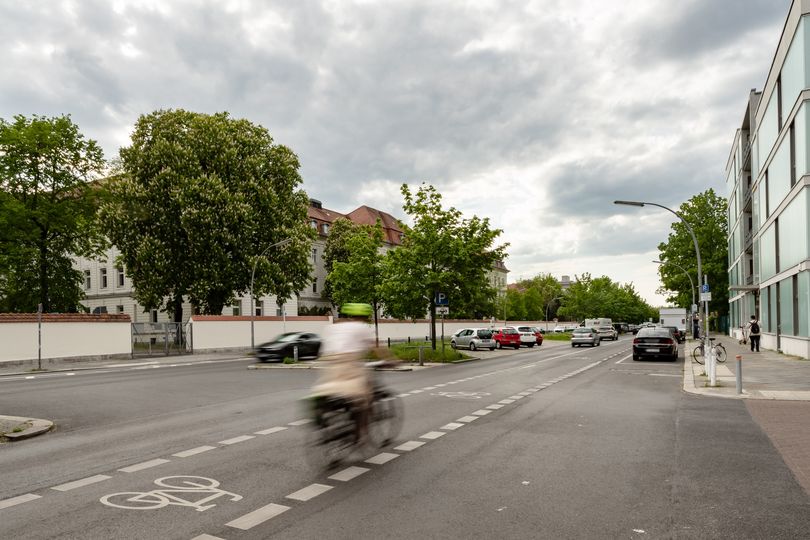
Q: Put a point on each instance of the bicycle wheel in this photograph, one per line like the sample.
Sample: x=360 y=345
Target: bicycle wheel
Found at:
x=386 y=419
x=332 y=438
x=697 y=355
x=134 y=500
x=720 y=353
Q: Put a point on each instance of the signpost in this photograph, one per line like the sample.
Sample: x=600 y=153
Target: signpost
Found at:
x=442 y=302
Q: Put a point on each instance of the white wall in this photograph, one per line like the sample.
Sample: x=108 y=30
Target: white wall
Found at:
x=64 y=339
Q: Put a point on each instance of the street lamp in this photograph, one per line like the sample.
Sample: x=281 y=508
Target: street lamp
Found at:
x=691 y=283
x=547 y=305
x=252 y=275
x=694 y=240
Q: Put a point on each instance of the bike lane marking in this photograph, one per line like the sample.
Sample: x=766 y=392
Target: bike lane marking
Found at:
x=14 y=501
x=145 y=465
x=452 y=426
x=349 y=473
x=235 y=440
x=432 y=435
x=467 y=419
x=381 y=458
x=309 y=492
x=257 y=517
x=410 y=445
x=270 y=430
x=300 y=422
x=193 y=451
x=81 y=483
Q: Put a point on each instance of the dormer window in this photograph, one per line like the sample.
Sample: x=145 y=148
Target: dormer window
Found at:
x=325 y=228
x=313 y=224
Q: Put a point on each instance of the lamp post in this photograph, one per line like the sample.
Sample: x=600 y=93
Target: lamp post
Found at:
x=252 y=276
x=547 y=305
x=694 y=240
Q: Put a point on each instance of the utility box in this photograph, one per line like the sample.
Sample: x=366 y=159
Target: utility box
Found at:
x=673 y=317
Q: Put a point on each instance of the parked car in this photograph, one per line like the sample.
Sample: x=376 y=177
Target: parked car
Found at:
x=527 y=336
x=506 y=337
x=681 y=335
x=538 y=334
x=607 y=332
x=585 y=336
x=283 y=346
x=634 y=328
x=473 y=339
x=654 y=341
x=558 y=329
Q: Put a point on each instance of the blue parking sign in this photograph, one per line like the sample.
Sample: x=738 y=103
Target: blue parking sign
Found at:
x=704 y=287
x=442 y=299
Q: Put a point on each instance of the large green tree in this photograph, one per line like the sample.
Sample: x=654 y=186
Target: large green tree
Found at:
x=706 y=214
x=589 y=297
x=359 y=277
x=336 y=250
x=199 y=201
x=533 y=299
x=441 y=252
x=47 y=212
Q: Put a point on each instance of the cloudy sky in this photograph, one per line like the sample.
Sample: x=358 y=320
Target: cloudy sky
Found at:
x=536 y=114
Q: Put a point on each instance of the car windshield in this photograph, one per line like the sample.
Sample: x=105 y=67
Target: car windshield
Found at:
x=653 y=332
x=509 y=331
x=284 y=338
x=582 y=331
x=524 y=329
x=484 y=334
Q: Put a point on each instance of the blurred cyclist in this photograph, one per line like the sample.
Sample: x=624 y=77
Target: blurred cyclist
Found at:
x=346 y=347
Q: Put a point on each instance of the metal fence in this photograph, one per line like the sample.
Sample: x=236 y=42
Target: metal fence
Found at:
x=159 y=339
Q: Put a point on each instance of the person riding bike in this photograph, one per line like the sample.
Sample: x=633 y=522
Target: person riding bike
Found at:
x=346 y=347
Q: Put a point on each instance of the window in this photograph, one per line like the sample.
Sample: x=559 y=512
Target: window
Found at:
x=153 y=315
x=87 y=281
x=119 y=309
x=767 y=201
x=259 y=308
x=103 y=276
x=237 y=310
x=779 y=103
x=315 y=285
x=776 y=243
x=792 y=156
x=313 y=224
x=325 y=228
x=119 y=275
x=314 y=255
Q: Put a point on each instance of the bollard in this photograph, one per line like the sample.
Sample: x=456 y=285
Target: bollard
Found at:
x=389 y=343
x=295 y=353
x=738 y=358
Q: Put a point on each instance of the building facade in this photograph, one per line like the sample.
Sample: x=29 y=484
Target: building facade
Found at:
x=768 y=188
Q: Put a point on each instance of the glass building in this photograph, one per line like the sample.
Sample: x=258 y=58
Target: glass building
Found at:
x=768 y=189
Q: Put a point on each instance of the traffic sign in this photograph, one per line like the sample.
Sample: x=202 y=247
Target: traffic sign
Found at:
x=705 y=296
x=442 y=310
x=704 y=288
x=442 y=299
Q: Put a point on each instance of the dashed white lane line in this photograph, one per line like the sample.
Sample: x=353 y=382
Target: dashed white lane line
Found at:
x=440 y=385
x=408 y=446
x=270 y=431
x=403 y=395
x=382 y=458
x=241 y=438
x=145 y=465
x=69 y=374
x=300 y=422
x=309 y=492
x=516 y=397
x=452 y=426
x=416 y=391
x=30 y=377
x=207 y=537
x=349 y=473
x=14 y=501
x=194 y=451
x=429 y=388
x=258 y=516
x=432 y=435
x=506 y=401
x=81 y=483
x=481 y=412
x=494 y=406
x=623 y=359
x=467 y=419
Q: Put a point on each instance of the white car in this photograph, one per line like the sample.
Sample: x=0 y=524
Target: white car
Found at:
x=558 y=329
x=527 y=337
x=607 y=332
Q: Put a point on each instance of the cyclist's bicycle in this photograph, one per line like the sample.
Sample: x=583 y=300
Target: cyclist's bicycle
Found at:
x=334 y=434
x=699 y=356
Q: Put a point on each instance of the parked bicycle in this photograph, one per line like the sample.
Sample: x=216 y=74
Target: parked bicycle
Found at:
x=335 y=433
x=699 y=356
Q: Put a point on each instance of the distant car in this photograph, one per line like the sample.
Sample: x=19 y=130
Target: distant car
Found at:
x=678 y=333
x=585 y=336
x=473 y=339
x=283 y=346
x=527 y=336
x=506 y=337
x=607 y=332
x=655 y=342
x=538 y=333
x=558 y=329
x=634 y=328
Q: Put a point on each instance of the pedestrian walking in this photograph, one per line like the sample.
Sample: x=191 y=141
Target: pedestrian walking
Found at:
x=753 y=333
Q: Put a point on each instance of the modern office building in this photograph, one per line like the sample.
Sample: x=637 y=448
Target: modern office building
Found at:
x=768 y=188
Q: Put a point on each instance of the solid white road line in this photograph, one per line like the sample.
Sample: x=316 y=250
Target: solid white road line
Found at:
x=309 y=492
x=145 y=465
x=300 y=422
x=14 y=501
x=451 y=426
x=384 y=457
x=432 y=435
x=194 y=451
x=410 y=445
x=270 y=430
x=241 y=438
x=623 y=359
x=349 y=473
x=81 y=483
x=248 y=521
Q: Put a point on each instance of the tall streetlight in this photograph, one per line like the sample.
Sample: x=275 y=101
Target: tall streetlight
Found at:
x=691 y=283
x=547 y=306
x=694 y=239
x=252 y=275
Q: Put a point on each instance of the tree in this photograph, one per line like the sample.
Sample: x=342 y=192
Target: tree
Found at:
x=589 y=298
x=200 y=197
x=530 y=297
x=441 y=252
x=359 y=277
x=706 y=214
x=336 y=250
x=47 y=212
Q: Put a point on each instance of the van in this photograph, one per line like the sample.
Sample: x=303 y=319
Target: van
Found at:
x=596 y=323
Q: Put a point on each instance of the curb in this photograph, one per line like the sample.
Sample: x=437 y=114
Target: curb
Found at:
x=36 y=427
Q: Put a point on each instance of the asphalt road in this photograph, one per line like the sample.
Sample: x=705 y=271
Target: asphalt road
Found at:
x=576 y=443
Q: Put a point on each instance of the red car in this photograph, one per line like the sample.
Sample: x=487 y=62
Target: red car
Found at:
x=538 y=334
x=506 y=337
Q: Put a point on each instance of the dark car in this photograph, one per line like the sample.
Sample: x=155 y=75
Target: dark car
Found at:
x=283 y=346
x=506 y=337
x=653 y=342
x=677 y=333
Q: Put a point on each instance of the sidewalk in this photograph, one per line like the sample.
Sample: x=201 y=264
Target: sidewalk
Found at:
x=765 y=375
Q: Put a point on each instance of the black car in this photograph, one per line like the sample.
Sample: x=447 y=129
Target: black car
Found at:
x=655 y=342
x=283 y=346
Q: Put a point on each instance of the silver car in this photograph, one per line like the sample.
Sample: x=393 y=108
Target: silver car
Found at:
x=608 y=332
x=585 y=336
x=473 y=339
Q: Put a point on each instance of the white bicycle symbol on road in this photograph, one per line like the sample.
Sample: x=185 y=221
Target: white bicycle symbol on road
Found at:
x=160 y=498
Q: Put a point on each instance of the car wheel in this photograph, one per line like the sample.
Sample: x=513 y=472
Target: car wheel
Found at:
x=573 y=345
x=517 y=346
x=472 y=346
x=636 y=358
x=452 y=344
